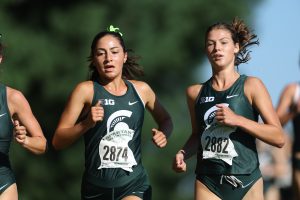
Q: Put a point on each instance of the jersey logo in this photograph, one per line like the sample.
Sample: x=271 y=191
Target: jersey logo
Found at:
x=244 y=186
x=206 y=99
x=114 y=151
x=110 y=102
x=2 y=114
x=132 y=103
x=230 y=96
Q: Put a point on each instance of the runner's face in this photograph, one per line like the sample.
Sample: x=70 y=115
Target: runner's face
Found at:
x=220 y=48
x=109 y=57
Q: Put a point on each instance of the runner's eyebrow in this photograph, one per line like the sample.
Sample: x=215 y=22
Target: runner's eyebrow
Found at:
x=113 y=48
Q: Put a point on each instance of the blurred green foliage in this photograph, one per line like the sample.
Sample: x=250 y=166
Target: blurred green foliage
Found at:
x=46 y=48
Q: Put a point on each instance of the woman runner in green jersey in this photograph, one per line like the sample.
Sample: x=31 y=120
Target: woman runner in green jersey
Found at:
x=108 y=111
x=16 y=121
x=224 y=115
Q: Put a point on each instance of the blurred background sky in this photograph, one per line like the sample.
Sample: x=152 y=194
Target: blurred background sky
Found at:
x=276 y=60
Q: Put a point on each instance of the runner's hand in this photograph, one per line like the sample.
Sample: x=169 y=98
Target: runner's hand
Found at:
x=159 y=138
x=96 y=115
x=20 y=133
x=179 y=164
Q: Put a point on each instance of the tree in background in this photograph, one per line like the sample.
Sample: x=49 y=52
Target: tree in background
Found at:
x=47 y=43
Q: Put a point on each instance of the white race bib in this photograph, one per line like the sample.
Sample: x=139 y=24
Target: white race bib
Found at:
x=216 y=144
x=114 y=151
x=215 y=139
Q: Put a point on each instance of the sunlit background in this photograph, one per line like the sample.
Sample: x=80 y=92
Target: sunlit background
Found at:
x=46 y=48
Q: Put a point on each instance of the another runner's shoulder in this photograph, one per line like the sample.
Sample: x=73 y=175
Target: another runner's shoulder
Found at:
x=292 y=87
x=293 y=91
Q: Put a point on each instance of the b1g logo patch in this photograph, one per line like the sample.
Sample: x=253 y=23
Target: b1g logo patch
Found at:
x=206 y=99
x=110 y=102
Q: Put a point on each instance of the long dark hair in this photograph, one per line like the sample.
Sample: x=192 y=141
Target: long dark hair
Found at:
x=131 y=69
x=240 y=34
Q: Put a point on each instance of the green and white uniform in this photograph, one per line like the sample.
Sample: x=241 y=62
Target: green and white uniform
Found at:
x=113 y=146
x=225 y=150
x=6 y=134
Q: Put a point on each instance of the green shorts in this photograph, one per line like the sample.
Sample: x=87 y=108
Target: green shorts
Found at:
x=7 y=178
x=139 y=187
x=229 y=187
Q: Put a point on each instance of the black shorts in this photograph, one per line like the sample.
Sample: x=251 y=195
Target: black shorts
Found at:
x=226 y=191
x=7 y=178
x=139 y=187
